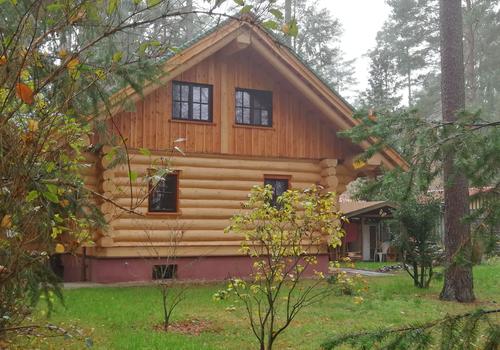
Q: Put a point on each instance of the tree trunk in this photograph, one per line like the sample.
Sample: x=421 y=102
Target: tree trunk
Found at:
x=470 y=56
x=189 y=20
x=458 y=284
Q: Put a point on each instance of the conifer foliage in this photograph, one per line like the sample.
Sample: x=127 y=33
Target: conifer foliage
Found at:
x=473 y=330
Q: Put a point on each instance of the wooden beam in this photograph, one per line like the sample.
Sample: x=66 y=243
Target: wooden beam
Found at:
x=241 y=42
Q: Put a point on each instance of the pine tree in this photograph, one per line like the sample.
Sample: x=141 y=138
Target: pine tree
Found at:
x=318 y=42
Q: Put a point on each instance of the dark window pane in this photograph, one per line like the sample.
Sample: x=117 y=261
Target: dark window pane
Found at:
x=196 y=111
x=204 y=112
x=177 y=92
x=246 y=115
x=177 y=109
x=164 y=195
x=239 y=115
x=256 y=117
x=239 y=98
x=196 y=93
x=265 y=117
x=246 y=99
x=185 y=92
x=204 y=95
x=185 y=110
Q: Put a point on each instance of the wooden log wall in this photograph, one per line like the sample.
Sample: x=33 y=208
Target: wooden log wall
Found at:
x=211 y=190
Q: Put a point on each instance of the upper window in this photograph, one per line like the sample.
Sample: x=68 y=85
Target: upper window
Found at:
x=254 y=107
x=192 y=101
x=279 y=185
x=163 y=196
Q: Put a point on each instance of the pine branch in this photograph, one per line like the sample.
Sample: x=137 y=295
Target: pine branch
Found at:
x=420 y=331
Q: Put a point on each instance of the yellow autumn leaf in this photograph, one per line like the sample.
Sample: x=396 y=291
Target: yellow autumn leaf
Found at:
x=358 y=163
x=63 y=53
x=33 y=125
x=64 y=203
x=73 y=64
x=59 y=248
x=6 y=221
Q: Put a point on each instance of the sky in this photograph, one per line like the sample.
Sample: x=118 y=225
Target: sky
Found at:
x=361 y=19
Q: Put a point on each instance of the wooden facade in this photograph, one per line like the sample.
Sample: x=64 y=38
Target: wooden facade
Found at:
x=223 y=159
x=299 y=129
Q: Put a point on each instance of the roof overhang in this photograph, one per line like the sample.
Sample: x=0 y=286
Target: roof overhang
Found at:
x=360 y=208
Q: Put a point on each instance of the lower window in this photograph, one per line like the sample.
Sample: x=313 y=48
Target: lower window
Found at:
x=163 y=195
x=163 y=272
x=279 y=184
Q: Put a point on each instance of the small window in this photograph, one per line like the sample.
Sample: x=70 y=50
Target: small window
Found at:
x=163 y=272
x=279 y=185
x=254 y=107
x=191 y=101
x=163 y=197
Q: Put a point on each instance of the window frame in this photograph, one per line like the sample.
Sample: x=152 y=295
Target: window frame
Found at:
x=151 y=189
x=253 y=108
x=190 y=101
x=278 y=177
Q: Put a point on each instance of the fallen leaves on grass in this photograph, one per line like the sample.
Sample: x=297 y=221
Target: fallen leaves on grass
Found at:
x=189 y=327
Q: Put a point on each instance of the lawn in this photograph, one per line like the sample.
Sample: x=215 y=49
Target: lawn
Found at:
x=123 y=318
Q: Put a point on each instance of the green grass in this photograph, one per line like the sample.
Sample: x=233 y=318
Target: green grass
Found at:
x=123 y=318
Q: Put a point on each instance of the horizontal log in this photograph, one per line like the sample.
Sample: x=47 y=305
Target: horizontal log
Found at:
x=169 y=236
x=228 y=163
x=209 y=184
x=223 y=173
x=210 y=203
x=185 y=213
x=184 y=193
x=152 y=223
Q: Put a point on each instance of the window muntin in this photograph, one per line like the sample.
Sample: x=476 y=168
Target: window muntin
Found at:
x=163 y=197
x=279 y=185
x=191 y=101
x=254 y=107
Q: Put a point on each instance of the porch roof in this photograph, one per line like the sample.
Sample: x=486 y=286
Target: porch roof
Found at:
x=356 y=208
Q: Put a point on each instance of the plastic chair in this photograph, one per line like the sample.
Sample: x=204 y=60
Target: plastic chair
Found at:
x=384 y=247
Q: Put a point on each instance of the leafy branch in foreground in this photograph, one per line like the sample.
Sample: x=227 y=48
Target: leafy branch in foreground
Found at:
x=61 y=63
x=464 y=331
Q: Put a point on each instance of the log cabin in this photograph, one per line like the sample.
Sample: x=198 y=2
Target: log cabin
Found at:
x=249 y=112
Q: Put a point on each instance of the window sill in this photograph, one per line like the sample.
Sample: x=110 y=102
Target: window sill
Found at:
x=180 y=121
x=244 y=126
x=164 y=213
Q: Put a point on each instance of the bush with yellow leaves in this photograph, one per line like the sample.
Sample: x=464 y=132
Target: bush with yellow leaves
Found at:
x=283 y=236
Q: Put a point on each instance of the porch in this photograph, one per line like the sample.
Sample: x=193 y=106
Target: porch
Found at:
x=368 y=235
